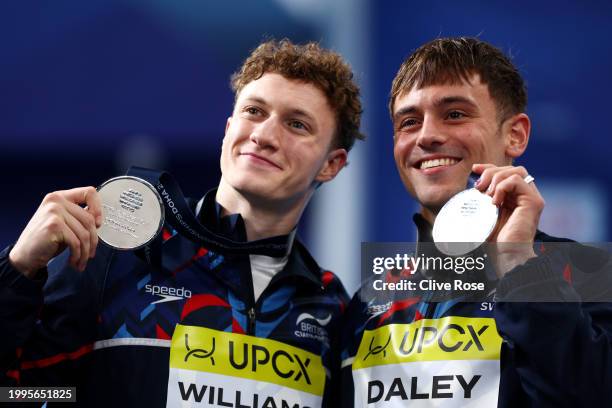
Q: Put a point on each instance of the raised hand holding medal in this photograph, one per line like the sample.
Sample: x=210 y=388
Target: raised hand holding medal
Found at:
x=513 y=191
x=504 y=207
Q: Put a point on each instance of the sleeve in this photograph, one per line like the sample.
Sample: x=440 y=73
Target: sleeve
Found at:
x=48 y=325
x=560 y=346
x=21 y=299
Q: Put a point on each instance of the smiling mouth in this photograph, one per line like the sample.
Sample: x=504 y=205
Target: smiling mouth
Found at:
x=261 y=159
x=441 y=162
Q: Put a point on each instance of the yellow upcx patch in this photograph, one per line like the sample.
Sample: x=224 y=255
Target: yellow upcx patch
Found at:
x=449 y=338
x=238 y=355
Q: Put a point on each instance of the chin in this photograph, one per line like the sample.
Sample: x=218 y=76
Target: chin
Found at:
x=260 y=190
x=436 y=201
x=253 y=188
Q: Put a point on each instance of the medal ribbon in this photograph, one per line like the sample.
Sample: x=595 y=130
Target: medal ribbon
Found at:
x=182 y=219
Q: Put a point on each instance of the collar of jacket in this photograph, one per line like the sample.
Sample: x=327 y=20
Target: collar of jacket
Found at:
x=424 y=228
x=300 y=264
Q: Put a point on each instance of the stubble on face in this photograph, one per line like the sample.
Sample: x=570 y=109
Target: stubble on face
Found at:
x=440 y=131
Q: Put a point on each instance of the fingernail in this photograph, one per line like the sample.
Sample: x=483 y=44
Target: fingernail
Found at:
x=99 y=220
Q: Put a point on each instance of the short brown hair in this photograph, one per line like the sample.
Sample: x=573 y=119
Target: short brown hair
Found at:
x=312 y=64
x=453 y=60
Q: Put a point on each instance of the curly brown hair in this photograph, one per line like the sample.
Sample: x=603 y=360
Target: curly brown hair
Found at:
x=454 y=60
x=313 y=64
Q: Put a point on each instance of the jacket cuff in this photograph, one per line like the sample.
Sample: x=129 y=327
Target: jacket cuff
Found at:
x=14 y=279
x=535 y=281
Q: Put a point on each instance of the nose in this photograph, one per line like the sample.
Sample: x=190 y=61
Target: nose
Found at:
x=266 y=134
x=431 y=133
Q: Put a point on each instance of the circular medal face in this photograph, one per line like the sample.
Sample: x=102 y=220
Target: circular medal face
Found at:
x=464 y=223
x=132 y=211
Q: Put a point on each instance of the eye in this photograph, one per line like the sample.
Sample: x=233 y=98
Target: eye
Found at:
x=407 y=123
x=252 y=110
x=456 y=115
x=296 y=124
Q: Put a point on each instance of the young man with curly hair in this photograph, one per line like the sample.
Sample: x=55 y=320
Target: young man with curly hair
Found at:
x=210 y=328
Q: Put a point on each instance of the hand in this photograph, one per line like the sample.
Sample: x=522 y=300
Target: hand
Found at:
x=520 y=206
x=60 y=222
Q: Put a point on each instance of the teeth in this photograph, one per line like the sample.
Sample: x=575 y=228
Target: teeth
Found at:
x=446 y=161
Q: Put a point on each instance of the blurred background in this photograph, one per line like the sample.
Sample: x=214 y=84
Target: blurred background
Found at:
x=88 y=88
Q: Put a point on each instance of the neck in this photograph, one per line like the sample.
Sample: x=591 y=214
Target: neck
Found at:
x=429 y=214
x=263 y=218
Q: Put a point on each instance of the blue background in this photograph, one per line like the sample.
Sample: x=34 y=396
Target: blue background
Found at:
x=88 y=87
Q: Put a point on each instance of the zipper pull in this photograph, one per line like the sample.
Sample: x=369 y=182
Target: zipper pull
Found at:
x=251 y=318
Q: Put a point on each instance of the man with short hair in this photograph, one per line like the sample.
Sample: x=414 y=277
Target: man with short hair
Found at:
x=457 y=107
x=204 y=327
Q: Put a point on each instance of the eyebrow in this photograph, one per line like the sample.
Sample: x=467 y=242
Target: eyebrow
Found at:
x=300 y=112
x=449 y=100
x=292 y=111
x=442 y=102
x=256 y=99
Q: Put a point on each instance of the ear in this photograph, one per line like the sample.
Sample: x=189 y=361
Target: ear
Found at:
x=227 y=124
x=517 y=129
x=335 y=161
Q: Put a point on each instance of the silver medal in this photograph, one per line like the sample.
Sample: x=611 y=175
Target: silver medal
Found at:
x=132 y=211
x=464 y=223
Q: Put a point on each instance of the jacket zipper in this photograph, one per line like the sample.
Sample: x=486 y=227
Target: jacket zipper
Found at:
x=251 y=318
x=252 y=310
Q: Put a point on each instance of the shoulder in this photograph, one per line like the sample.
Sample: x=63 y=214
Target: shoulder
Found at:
x=330 y=283
x=589 y=257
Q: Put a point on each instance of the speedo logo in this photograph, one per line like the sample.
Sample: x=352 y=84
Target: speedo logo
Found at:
x=167 y=293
